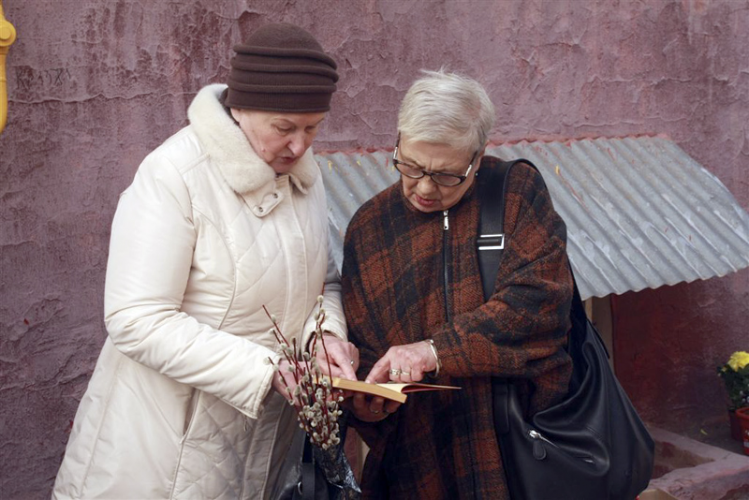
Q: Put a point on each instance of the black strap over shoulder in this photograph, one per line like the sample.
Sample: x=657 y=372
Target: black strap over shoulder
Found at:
x=491 y=240
x=492 y=186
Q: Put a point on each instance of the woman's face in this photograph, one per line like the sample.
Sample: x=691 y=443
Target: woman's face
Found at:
x=278 y=138
x=424 y=194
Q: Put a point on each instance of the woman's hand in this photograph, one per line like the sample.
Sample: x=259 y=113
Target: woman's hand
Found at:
x=404 y=363
x=282 y=379
x=343 y=357
x=370 y=408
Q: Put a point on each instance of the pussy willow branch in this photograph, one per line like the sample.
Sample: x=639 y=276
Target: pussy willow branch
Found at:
x=314 y=398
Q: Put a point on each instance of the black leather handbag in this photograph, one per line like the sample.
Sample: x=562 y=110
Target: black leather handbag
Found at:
x=590 y=446
x=300 y=477
x=311 y=473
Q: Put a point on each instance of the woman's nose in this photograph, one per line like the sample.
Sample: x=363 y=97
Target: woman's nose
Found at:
x=299 y=145
x=426 y=185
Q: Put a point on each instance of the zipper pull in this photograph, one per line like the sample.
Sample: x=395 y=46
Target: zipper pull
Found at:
x=534 y=434
x=446 y=221
x=539 y=452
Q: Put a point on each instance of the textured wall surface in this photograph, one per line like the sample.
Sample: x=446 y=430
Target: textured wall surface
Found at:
x=95 y=85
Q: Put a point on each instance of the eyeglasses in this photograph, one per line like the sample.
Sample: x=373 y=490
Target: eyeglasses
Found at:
x=440 y=178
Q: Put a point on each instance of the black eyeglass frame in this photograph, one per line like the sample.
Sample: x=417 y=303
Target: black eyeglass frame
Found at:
x=461 y=178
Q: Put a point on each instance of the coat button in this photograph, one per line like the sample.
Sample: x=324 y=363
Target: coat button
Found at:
x=275 y=195
x=259 y=209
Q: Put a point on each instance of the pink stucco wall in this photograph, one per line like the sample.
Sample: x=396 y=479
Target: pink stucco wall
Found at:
x=94 y=85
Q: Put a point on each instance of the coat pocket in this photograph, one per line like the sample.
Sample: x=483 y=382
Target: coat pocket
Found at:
x=190 y=413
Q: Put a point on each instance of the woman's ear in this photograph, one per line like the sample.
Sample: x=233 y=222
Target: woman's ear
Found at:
x=236 y=114
x=481 y=152
x=477 y=158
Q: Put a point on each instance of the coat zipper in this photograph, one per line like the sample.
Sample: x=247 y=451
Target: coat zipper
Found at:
x=447 y=275
x=446 y=261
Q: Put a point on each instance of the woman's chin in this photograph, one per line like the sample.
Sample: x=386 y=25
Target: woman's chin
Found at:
x=283 y=165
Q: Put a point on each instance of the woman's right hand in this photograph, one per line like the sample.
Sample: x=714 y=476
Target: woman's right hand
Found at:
x=342 y=358
x=283 y=379
x=404 y=364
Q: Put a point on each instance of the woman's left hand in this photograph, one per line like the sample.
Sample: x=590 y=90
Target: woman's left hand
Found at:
x=403 y=363
x=343 y=357
x=370 y=408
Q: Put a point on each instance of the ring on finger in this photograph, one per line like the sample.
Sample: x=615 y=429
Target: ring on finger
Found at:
x=395 y=372
x=374 y=411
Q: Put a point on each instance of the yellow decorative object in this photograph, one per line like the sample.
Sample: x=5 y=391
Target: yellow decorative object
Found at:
x=735 y=374
x=738 y=360
x=7 y=37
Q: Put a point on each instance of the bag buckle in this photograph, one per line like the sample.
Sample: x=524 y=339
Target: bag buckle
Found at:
x=491 y=241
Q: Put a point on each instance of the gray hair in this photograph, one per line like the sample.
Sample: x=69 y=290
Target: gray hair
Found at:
x=447 y=108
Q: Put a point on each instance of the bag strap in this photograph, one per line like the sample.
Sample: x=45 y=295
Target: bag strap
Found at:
x=492 y=188
x=491 y=242
x=307 y=480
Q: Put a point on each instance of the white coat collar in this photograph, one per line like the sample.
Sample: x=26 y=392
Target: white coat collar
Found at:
x=225 y=142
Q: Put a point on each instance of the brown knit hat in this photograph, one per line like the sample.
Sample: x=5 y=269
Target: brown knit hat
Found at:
x=281 y=67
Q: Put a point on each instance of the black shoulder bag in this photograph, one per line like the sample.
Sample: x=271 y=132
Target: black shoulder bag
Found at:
x=590 y=446
x=301 y=478
x=311 y=473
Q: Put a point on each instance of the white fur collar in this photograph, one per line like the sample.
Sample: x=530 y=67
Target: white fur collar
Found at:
x=225 y=143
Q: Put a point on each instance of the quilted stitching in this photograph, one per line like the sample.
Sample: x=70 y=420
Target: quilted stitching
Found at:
x=215 y=453
x=213 y=465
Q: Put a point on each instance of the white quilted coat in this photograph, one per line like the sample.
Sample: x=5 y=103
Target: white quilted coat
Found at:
x=180 y=404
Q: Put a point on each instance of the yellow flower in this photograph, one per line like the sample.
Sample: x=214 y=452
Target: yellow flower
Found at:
x=738 y=360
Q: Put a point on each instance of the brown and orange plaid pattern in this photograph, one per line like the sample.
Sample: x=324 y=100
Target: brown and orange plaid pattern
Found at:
x=442 y=444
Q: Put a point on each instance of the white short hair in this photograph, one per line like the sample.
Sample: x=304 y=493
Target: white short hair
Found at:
x=447 y=108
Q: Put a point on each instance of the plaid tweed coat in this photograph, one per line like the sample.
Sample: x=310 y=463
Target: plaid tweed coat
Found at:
x=441 y=445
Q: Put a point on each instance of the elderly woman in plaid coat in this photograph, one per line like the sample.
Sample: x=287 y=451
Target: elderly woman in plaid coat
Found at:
x=414 y=303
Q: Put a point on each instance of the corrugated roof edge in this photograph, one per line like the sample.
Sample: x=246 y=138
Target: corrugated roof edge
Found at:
x=640 y=212
x=496 y=142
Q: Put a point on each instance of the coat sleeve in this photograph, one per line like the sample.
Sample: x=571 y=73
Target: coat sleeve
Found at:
x=521 y=330
x=150 y=258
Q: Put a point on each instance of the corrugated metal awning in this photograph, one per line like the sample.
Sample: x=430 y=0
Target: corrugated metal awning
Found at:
x=640 y=212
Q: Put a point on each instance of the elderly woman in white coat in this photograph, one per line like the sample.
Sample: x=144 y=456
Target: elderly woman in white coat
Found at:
x=226 y=216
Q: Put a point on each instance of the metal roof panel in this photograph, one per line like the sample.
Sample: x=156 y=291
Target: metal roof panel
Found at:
x=640 y=212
